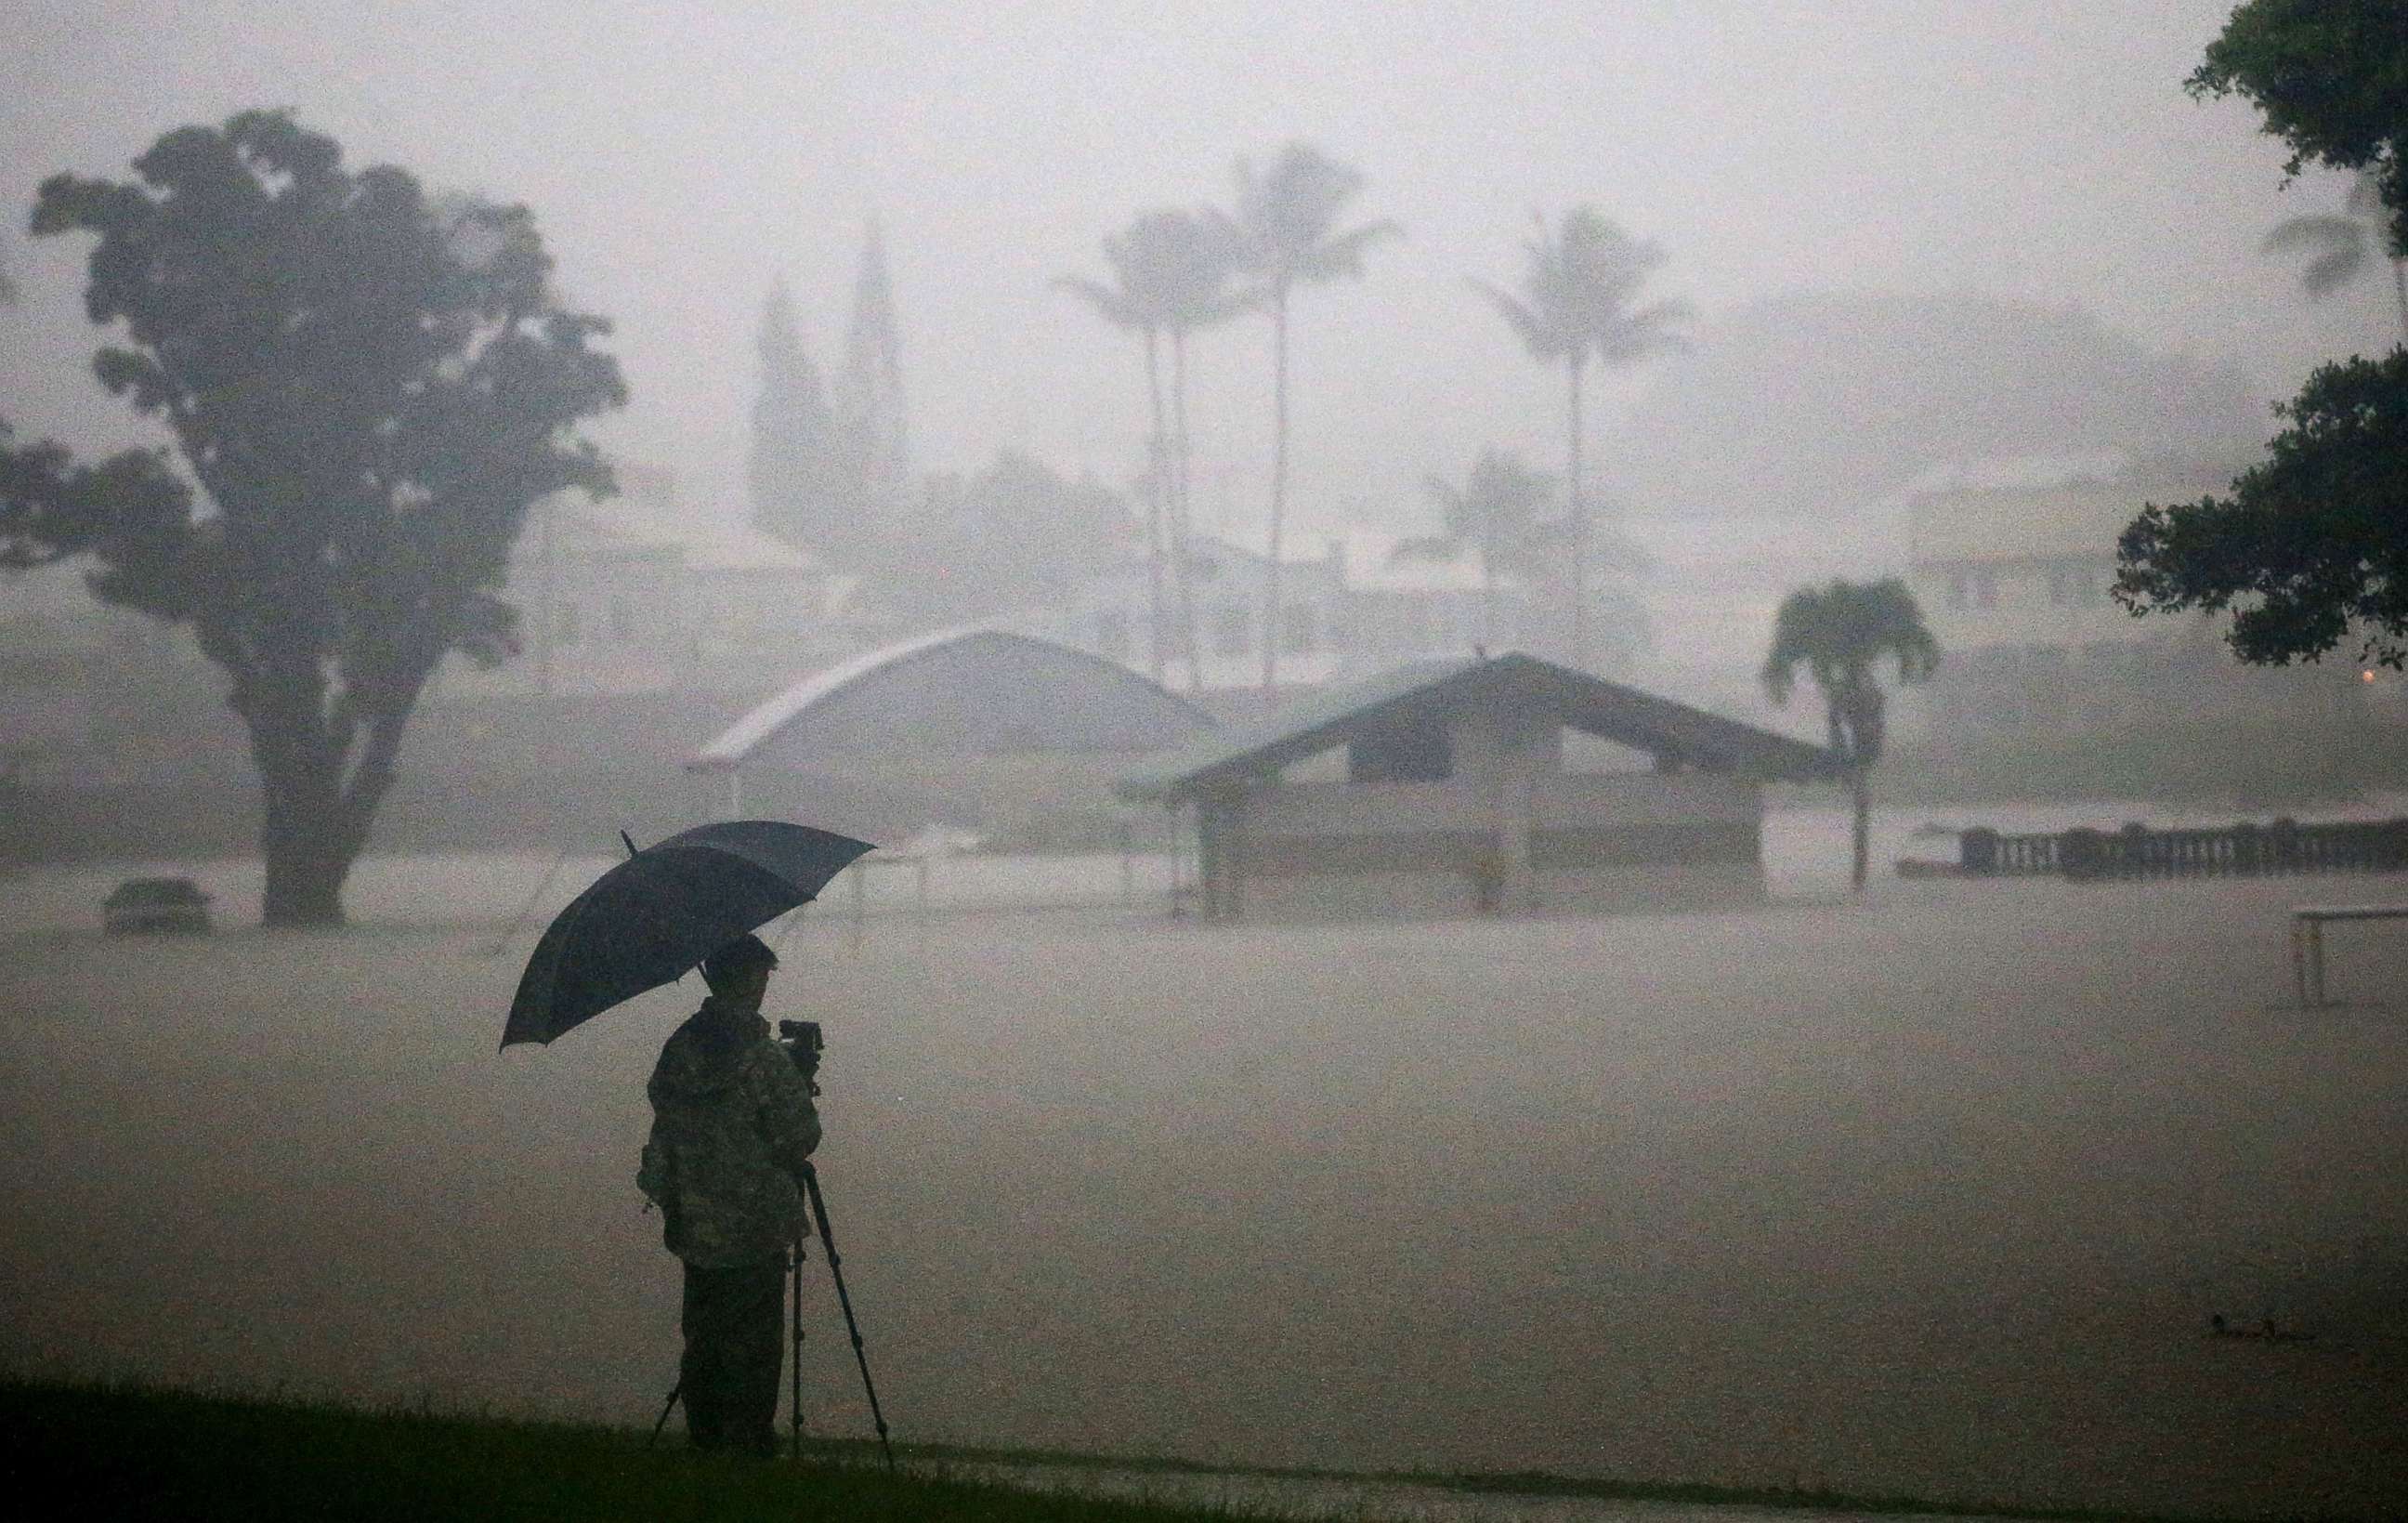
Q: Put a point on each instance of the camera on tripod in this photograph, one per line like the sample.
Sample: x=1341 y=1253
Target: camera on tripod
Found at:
x=803 y=1044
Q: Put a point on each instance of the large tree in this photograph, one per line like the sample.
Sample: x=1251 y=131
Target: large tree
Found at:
x=795 y=469
x=2332 y=78
x=2311 y=545
x=1839 y=634
x=370 y=386
x=1286 y=234
x=1502 y=512
x=1577 y=305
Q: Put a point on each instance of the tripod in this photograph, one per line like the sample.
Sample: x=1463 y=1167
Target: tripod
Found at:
x=836 y=1272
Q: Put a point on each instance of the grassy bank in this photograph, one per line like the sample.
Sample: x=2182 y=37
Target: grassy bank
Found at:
x=122 y=1451
x=118 y=1452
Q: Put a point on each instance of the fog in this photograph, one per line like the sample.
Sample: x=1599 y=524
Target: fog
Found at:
x=1930 y=1189
x=681 y=157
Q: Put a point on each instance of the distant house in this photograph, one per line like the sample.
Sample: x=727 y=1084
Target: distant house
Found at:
x=1509 y=785
x=2012 y=564
x=1356 y=608
x=637 y=594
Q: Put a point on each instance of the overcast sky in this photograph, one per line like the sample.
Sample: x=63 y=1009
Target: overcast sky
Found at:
x=680 y=156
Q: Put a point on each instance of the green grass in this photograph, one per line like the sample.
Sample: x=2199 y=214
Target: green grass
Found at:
x=115 y=1451
x=118 y=1452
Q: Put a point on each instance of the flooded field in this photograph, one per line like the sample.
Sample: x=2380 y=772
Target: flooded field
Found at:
x=1933 y=1193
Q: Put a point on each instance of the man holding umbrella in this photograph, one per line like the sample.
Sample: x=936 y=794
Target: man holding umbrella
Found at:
x=729 y=1161
x=733 y=1125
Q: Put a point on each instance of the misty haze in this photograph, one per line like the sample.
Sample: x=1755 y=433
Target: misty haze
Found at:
x=1559 y=761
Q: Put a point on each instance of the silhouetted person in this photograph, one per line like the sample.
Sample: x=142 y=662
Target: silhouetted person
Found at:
x=732 y=1124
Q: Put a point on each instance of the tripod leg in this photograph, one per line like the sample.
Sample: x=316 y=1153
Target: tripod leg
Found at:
x=836 y=1272
x=666 y=1407
x=794 y=1396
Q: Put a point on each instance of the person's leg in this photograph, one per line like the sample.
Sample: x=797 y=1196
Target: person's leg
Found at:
x=703 y=1370
x=756 y=1353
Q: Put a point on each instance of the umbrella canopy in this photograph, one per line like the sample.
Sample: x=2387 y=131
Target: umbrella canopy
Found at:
x=661 y=912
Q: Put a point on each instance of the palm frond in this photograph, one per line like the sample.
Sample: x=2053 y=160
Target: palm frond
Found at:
x=1113 y=306
x=1341 y=258
x=2329 y=272
x=2320 y=231
x=1544 y=342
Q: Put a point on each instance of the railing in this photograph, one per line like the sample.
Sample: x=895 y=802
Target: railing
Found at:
x=2247 y=849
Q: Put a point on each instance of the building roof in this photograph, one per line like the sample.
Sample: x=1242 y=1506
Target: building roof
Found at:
x=1625 y=715
x=967 y=691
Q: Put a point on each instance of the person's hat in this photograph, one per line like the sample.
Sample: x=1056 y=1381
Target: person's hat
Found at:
x=737 y=961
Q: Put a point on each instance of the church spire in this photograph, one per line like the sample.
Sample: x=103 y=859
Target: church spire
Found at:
x=871 y=383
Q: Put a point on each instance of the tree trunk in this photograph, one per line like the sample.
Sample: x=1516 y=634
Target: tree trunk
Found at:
x=2399 y=290
x=1278 y=492
x=1579 y=507
x=1860 y=836
x=316 y=802
x=1183 y=522
x=1158 y=485
x=305 y=880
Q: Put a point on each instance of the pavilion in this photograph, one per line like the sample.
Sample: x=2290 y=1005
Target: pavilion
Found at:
x=1452 y=796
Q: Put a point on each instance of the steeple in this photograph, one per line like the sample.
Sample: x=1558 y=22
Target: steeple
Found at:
x=869 y=389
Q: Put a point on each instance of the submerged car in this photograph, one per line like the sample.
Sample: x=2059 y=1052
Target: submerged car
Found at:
x=175 y=905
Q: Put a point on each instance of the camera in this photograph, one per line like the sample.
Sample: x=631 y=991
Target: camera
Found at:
x=803 y=1044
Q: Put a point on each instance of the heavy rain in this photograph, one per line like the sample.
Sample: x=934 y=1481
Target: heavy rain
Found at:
x=1560 y=761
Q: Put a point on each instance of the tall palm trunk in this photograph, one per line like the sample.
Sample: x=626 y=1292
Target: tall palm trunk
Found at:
x=1579 y=505
x=1487 y=600
x=1157 y=486
x=1860 y=836
x=1278 y=489
x=1181 y=519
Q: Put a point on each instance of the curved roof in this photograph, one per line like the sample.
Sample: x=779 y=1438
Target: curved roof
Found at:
x=967 y=691
x=1421 y=690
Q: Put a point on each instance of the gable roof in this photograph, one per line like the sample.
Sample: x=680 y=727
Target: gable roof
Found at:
x=1421 y=689
x=975 y=685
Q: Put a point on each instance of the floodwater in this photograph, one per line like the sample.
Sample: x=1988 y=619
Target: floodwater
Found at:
x=1805 y=859
x=1931 y=1193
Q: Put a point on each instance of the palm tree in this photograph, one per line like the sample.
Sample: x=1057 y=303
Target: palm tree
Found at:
x=1197 y=265
x=1135 y=301
x=1282 y=236
x=1497 y=512
x=1839 y=633
x=1172 y=271
x=2345 y=245
x=1575 y=306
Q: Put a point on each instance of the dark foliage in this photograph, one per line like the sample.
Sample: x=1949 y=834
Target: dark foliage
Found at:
x=1015 y=534
x=797 y=469
x=370 y=386
x=2331 y=77
x=2312 y=544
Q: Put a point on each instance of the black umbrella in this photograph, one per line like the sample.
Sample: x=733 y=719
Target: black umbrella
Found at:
x=661 y=912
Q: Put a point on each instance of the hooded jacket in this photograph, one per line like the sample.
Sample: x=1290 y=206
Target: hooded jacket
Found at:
x=732 y=1124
